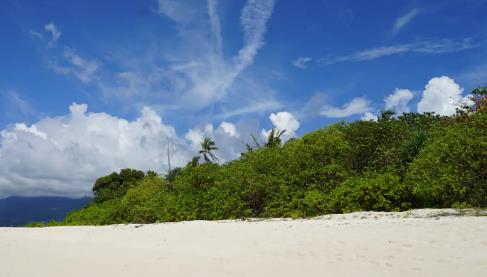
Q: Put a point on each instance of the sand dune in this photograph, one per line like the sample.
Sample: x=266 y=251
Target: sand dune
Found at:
x=418 y=243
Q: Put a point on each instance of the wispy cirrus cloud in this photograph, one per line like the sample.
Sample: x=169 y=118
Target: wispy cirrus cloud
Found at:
x=256 y=107
x=14 y=106
x=475 y=76
x=215 y=25
x=179 y=11
x=253 y=19
x=74 y=65
x=193 y=73
x=427 y=47
x=358 y=105
x=301 y=62
x=405 y=19
x=54 y=31
x=202 y=78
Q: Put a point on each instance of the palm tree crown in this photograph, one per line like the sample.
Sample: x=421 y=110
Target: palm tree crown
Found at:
x=207 y=146
x=274 y=137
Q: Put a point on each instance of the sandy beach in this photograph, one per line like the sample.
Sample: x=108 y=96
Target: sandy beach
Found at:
x=415 y=243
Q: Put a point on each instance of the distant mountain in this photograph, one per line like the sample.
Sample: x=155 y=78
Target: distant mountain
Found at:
x=18 y=211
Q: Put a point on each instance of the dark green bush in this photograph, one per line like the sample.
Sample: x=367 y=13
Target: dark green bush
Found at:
x=451 y=170
x=374 y=192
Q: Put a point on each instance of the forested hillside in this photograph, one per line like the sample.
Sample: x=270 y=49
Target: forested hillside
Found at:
x=18 y=211
x=394 y=163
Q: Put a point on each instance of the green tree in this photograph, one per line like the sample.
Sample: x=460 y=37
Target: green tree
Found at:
x=207 y=148
x=116 y=185
x=479 y=97
x=274 y=137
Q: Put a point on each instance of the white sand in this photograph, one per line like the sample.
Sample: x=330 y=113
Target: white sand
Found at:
x=359 y=244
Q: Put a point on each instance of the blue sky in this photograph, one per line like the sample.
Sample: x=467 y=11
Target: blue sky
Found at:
x=220 y=68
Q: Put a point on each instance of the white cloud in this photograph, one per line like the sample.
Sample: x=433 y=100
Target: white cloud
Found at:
x=178 y=11
x=283 y=121
x=197 y=135
x=398 y=101
x=81 y=147
x=215 y=25
x=14 y=103
x=226 y=138
x=253 y=19
x=229 y=129
x=253 y=107
x=21 y=127
x=36 y=35
x=199 y=75
x=53 y=30
x=429 y=47
x=358 y=105
x=368 y=116
x=403 y=20
x=476 y=76
x=301 y=62
x=82 y=69
x=442 y=96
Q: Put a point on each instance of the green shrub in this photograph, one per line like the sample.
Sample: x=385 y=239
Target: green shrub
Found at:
x=96 y=214
x=144 y=203
x=374 y=192
x=451 y=170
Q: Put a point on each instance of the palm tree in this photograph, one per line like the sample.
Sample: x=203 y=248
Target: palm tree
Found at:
x=194 y=161
x=250 y=147
x=207 y=146
x=274 y=137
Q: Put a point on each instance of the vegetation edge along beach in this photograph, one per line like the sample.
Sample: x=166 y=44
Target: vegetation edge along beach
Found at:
x=396 y=163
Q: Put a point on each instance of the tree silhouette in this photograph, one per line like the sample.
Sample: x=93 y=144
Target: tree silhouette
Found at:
x=274 y=137
x=386 y=115
x=207 y=146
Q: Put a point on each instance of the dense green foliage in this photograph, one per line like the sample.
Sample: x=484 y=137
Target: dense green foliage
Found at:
x=395 y=163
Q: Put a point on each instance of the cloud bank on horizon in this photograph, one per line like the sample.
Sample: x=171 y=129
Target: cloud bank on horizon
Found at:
x=181 y=71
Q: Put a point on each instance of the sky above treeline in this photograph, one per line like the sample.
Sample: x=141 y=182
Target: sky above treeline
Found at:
x=90 y=87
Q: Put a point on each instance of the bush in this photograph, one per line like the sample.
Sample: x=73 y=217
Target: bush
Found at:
x=374 y=192
x=451 y=170
x=96 y=214
x=144 y=203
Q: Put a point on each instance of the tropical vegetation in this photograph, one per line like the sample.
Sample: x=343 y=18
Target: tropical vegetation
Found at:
x=392 y=164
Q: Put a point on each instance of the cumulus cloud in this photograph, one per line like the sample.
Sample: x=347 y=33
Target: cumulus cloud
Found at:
x=283 y=121
x=301 y=62
x=368 y=116
x=403 y=20
x=229 y=129
x=81 y=147
x=53 y=30
x=398 y=101
x=442 y=96
x=358 y=105
x=226 y=138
